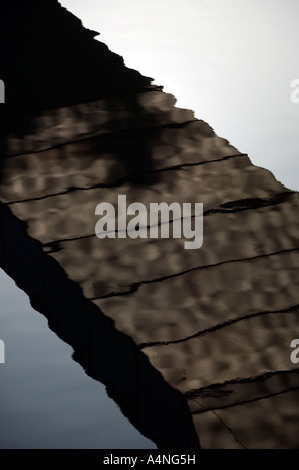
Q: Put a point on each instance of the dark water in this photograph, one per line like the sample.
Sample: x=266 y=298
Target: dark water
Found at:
x=46 y=399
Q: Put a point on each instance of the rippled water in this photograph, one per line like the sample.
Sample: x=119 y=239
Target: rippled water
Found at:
x=46 y=399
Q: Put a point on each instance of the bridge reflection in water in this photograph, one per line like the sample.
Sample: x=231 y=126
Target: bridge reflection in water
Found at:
x=194 y=345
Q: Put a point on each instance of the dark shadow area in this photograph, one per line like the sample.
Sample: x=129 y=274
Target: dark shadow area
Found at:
x=48 y=60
